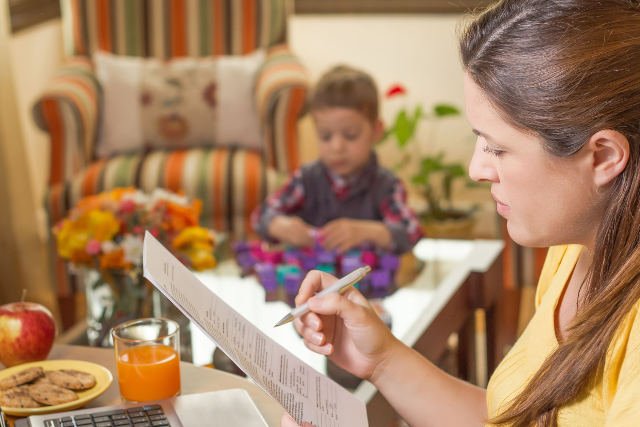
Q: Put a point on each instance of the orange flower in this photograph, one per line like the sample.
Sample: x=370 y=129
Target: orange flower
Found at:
x=179 y=216
x=101 y=200
x=114 y=260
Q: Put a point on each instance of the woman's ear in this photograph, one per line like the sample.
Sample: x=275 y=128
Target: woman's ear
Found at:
x=610 y=151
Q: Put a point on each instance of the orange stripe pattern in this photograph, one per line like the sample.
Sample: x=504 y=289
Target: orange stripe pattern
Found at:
x=252 y=15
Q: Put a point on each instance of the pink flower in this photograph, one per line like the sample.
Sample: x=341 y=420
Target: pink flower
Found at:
x=394 y=90
x=93 y=247
x=127 y=206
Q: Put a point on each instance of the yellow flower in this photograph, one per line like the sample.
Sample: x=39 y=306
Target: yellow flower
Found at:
x=191 y=236
x=201 y=259
x=71 y=239
x=103 y=225
x=73 y=235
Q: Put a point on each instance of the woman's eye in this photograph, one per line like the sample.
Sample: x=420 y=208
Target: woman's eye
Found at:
x=493 y=151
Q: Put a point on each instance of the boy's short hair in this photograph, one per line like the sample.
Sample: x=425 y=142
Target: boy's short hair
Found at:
x=344 y=86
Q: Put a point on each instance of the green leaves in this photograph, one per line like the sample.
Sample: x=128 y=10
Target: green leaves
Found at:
x=405 y=125
x=434 y=177
x=443 y=110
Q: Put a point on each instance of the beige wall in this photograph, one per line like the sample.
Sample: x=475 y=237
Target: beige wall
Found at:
x=418 y=51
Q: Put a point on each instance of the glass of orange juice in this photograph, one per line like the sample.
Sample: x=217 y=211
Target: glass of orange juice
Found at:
x=147 y=358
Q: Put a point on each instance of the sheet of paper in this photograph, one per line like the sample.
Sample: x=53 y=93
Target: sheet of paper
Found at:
x=305 y=393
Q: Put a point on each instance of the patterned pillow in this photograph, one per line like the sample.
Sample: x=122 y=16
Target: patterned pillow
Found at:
x=180 y=103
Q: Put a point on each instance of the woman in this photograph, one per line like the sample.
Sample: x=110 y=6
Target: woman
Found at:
x=552 y=91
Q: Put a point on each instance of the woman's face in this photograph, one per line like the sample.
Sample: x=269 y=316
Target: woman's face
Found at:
x=546 y=200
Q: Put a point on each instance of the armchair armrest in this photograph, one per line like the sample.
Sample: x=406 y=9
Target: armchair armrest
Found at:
x=281 y=91
x=68 y=110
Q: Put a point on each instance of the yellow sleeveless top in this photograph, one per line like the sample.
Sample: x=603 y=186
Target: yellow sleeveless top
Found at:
x=614 y=400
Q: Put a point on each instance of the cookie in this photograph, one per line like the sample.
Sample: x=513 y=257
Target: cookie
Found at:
x=51 y=394
x=21 y=377
x=17 y=397
x=71 y=379
x=42 y=380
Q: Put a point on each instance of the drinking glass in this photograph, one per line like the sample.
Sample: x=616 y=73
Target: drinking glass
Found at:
x=147 y=358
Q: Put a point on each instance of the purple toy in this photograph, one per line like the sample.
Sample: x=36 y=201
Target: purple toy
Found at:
x=291 y=285
x=350 y=262
x=389 y=261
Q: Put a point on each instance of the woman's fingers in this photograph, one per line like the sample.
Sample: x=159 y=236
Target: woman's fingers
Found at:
x=337 y=304
x=313 y=283
x=287 y=421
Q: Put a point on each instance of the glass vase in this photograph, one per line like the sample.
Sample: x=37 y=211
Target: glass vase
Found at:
x=112 y=297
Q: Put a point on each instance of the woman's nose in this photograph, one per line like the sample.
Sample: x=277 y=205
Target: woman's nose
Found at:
x=481 y=166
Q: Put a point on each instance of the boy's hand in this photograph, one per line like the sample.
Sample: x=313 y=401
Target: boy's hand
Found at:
x=291 y=230
x=345 y=233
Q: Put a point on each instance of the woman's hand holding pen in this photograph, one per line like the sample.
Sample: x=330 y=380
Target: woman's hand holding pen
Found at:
x=344 y=327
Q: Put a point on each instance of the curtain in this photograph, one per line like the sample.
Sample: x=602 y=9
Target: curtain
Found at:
x=24 y=263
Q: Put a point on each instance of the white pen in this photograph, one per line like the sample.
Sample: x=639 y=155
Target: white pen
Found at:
x=338 y=287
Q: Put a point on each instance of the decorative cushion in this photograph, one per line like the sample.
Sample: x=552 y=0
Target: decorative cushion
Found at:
x=184 y=102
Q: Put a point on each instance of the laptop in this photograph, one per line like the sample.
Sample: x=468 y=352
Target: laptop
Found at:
x=223 y=408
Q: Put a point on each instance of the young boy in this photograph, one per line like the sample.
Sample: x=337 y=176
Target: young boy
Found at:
x=345 y=198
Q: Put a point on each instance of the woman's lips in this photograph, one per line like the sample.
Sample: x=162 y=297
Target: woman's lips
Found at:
x=501 y=208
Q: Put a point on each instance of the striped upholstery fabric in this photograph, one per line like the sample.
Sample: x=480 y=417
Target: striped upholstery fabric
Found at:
x=281 y=91
x=230 y=182
x=68 y=110
x=211 y=175
x=172 y=28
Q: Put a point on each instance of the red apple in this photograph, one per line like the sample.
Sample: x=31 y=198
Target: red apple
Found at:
x=27 y=330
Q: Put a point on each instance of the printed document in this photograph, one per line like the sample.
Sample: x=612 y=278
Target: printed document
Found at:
x=304 y=392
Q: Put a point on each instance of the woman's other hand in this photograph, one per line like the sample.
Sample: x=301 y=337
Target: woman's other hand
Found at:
x=287 y=421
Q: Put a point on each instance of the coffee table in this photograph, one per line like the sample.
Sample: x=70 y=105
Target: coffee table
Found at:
x=459 y=278
x=194 y=379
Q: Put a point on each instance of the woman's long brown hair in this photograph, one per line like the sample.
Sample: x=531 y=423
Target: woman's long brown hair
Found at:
x=565 y=69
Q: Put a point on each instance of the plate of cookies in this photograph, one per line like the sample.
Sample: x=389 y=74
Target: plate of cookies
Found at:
x=51 y=386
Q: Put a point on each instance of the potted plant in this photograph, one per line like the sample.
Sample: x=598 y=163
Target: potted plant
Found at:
x=432 y=175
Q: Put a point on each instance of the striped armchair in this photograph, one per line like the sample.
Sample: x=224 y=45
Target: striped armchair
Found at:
x=230 y=181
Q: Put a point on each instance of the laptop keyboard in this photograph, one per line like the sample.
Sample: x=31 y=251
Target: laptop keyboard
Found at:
x=138 y=416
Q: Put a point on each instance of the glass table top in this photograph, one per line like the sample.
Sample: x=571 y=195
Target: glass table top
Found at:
x=412 y=307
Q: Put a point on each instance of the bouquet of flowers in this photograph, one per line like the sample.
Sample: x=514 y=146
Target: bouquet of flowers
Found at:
x=105 y=231
x=102 y=238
